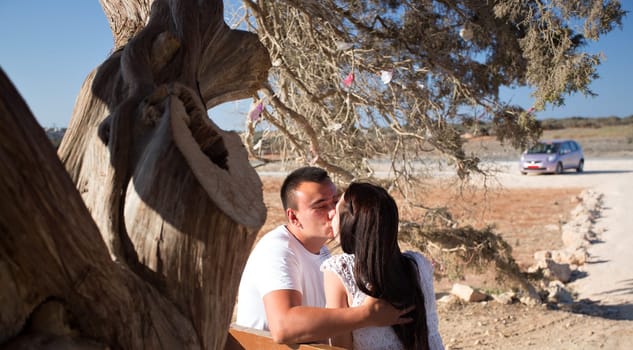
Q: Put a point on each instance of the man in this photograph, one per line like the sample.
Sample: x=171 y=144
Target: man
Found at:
x=281 y=289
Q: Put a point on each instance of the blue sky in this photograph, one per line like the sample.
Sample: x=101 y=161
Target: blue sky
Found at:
x=48 y=47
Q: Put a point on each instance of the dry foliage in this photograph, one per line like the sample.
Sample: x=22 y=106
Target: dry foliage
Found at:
x=400 y=80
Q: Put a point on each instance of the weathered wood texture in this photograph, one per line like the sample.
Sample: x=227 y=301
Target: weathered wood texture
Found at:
x=173 y=197
x=51 y=249
x=126 y=18
x=242 y=338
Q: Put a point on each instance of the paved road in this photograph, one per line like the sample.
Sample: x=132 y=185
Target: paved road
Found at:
x=609 y=277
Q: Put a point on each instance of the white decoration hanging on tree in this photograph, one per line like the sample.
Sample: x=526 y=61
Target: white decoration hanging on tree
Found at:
x=335 y=127
x=258 y=145
x=343 y=46
x=386 y=76
x=466 y=33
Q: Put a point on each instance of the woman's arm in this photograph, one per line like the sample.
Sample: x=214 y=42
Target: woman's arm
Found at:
x=336 y=297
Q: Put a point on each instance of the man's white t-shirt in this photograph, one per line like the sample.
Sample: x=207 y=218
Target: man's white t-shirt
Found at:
x=278 y=261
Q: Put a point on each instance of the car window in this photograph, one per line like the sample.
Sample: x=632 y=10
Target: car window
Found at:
x=543 y=148
x=565 y=148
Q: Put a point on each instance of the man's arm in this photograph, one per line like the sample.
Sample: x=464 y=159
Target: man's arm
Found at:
x=290 y=322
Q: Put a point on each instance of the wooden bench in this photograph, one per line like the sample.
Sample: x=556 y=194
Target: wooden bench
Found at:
x=243 y=338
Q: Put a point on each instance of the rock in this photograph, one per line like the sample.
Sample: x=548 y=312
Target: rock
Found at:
x=504 y=298
x=568 y=256
x=560 y=272
x=529 y=300
x=558 y=293
x=529 y=297
x=467 y=293
x=573 y=237
x=541 y=255
x=448 y=299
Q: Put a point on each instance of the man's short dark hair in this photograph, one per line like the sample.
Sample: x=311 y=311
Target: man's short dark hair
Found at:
x=297 y=177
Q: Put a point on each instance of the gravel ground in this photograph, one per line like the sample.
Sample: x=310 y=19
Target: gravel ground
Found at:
x=609 y=277
x=601 y=317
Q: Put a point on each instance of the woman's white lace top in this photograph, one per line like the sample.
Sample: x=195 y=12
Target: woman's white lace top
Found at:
x=374 y=338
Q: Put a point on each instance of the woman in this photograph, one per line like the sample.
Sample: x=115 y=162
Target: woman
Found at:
x=366 y=222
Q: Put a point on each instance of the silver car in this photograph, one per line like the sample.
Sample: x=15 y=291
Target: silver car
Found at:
x=552 y=156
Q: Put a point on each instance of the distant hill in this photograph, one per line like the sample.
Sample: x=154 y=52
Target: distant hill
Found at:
x=582 y=122
x=612 y=128
x=55 y=135
x=609 y=137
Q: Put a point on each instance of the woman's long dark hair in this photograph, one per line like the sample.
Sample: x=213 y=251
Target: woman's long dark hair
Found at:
x=369 y=230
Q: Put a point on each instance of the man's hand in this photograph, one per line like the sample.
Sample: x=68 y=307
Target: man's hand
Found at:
x=383 y=314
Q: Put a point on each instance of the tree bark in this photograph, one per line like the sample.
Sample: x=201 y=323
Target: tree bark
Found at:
x=51 y=249
x=173 y=196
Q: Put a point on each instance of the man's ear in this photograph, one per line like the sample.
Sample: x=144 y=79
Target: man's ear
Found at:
x=292 y=217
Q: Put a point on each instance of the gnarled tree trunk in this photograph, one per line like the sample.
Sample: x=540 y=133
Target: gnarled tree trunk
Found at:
x=173 y=197
x=54 y=265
